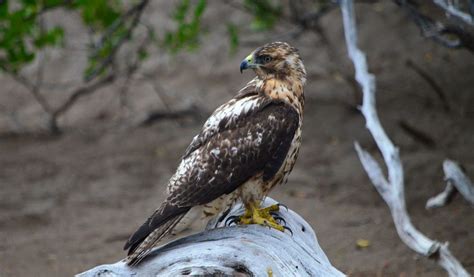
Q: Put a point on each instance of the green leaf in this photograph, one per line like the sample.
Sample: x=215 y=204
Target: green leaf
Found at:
x=99 y=13
x=29 y=2
x=181 y=11
x=53 y=3
x=4 y=9
x=187 y=33
x=199 y=10
x=54 y=36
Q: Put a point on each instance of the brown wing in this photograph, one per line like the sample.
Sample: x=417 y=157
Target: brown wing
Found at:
x=252 y=145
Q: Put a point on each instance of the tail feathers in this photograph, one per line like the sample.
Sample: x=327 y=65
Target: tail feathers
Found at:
x=152 y=231
x=143 y=248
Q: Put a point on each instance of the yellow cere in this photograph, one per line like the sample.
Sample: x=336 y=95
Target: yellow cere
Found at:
x=249 y=58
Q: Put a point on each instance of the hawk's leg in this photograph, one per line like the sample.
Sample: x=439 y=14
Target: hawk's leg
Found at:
x=262 y=216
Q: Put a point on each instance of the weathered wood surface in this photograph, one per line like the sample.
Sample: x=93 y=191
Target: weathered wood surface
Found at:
x=236 y=251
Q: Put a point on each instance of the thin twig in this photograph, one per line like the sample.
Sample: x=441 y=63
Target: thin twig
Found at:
x=191 y=112
x=82 y=91
x=136 y=11
x=45 y=7
x=300 y=18
x=35 y=87
x=33 y=91
x=76 y=94
x=131 y=70
x=451 y=36
x=158 y=89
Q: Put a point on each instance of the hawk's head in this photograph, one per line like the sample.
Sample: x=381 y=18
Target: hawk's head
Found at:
x=277 y=60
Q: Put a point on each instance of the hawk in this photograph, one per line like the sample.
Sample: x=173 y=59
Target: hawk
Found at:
x=245 y=148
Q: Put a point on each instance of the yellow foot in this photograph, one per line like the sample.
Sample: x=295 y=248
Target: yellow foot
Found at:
x=262 y=216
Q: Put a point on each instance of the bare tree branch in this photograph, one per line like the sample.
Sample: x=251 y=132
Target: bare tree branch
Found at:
x=135 y=12
x=454 y=11
x=132 y=68
x=92 y=84
x=443 y=198
x=55 y=113
x=391 y=190
x=82 y=91
x=33 y=90
x=448 y=35
x=34 y=87
x=456 y=181
x=191 y=112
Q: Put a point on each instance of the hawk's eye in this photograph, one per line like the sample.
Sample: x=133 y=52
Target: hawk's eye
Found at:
x=266 y=59
x=263 y=59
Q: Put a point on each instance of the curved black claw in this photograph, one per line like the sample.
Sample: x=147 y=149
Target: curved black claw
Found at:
x=287 y=228
x=282 y=205
x=233 y=219
x=279 y=218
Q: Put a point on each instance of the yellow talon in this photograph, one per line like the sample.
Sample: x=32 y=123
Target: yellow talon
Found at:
x=256 y=215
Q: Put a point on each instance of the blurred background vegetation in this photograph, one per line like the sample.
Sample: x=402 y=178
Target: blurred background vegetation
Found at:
x=115 y=24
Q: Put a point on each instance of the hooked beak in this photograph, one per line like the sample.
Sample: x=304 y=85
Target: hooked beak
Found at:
x=247 y=63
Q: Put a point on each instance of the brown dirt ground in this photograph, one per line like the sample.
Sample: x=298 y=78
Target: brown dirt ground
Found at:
x=68 y=203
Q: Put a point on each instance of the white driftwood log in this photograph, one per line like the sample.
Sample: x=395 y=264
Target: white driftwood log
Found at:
x=234 y=251
x=391 y=190
x=456 y=181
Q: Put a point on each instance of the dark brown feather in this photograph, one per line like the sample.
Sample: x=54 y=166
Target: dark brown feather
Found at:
x=144 y=247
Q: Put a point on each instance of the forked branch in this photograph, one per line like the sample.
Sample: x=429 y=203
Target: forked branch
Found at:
x=454 y=10
x=456 y=181
x=391 y=189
